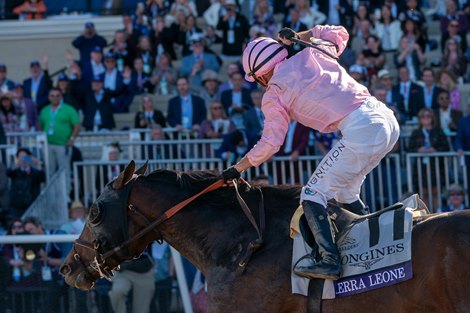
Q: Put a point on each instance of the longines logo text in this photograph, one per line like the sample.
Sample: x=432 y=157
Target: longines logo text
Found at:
x=371 y=255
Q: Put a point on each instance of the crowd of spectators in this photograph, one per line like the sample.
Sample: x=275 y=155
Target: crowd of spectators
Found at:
x=188 y=53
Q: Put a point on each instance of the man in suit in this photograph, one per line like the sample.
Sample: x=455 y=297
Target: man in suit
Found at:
x=94 y=65
x=295 y=145
x=117 y=84
x=236 y=100
x=235 y=145
x=431 y=90
x=98 y=110
x=235 y=30
x=140 y=81
x=86 y=42
x=5 y=84
x=195 y=63
x=37 y=87
x=412 y=93
x=253 y=117
x=446 y=118
x=185 y=111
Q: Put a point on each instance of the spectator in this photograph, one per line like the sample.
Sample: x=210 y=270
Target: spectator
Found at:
x=235 y=29
x=358 y=42
x=213 y=12
x=72 y=91
x=52 y=256
x=6 y=85
x=79 y=86
x=308 y=15
x=61 y=123
x=136 y=275
x=196 y=62
x=31 y=10
x=210 y=87
x=163 y=277
x=37 y=87
x=235 y=145
x=116 y=83
x=94 y=65
x=260 y=180
x=359 y=73
x=218 y=124
x=123 y=50
x=155 y=8
x=388 y=29
x=462 y=143
x=411 y=56
x=164 y=77
x=111 y=154
x=338 y=12
x=447 y=81
x=428 y=138
x=263 y=17
x=413 y=95
x=98 y=113
x=295 y=145
x=373 y=55
x=231 y=69
x=446 y=118
x=253 y=117
x=236 y=100
x=149 y=115
x=292 y=21
x=414 y=34
x=454 y=32
x=185 y=6
x=186 y=34
x=26 y=177
x=87 y=42
x=324 y=141
x=162 y=39
x=77 y=219
x=26 y=108
x=453 y=59
x=185 y=111
x=8 y=116
x=431 y=90
x=413 y=12
x=362 y=14
x=455 y=200
x=453 y=14
x=393 y=97
x=161 y=151
x=145 y=53
x=140 y=80
x=140 y=25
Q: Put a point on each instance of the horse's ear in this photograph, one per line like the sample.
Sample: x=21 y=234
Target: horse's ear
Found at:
x=125 y=176
x=143 y=169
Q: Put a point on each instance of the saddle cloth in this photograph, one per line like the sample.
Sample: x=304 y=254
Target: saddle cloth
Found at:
x=374 y=253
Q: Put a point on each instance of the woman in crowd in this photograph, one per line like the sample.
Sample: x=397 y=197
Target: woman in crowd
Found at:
x=428 y=138
x=453 y=60
x=414 y=34
x=218 y=124
x=411 y=56
x=263 y=17
x=31 y=10
x=164 y=76
x=374 y=58
x=8 y=116
x=388 y=29
x=186 y=32
x=144 y=51
x=447 y=80
x=361 y=15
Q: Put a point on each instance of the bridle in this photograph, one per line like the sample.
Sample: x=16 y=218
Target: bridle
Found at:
x=100 y=262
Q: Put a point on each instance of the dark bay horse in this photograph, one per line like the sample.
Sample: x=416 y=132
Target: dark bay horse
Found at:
x=212 y=232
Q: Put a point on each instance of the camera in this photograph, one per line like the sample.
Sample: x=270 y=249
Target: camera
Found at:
x=31 y=250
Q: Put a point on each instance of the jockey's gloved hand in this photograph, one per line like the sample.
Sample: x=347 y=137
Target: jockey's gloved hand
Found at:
x=288 y=33
x=230 y=173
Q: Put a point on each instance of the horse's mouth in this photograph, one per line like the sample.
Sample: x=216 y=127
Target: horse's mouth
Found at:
x=82 y=281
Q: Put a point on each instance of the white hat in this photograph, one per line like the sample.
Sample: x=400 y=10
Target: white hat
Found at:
x=356 y=68
x=383 y=73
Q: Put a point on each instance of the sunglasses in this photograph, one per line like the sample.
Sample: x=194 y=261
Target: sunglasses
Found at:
x=217 y=108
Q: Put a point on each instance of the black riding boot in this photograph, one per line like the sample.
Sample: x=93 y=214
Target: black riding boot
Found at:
x=329 y=265
x=357 y=207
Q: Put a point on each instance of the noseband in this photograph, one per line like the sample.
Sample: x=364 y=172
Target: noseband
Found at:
x=100 y=264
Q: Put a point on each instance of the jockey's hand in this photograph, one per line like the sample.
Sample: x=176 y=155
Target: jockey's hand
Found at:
x=230 y=173
x=286 y=34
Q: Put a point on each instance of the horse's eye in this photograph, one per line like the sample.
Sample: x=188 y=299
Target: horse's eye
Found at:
x=95 y=214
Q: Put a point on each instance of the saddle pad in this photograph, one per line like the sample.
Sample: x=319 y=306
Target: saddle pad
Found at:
x=375 y=253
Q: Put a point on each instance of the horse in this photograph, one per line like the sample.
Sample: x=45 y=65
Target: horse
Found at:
x=212 y=232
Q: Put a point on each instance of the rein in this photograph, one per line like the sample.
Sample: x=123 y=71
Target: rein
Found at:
x=99 y=262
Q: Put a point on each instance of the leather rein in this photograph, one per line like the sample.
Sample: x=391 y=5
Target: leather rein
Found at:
x=99 y=263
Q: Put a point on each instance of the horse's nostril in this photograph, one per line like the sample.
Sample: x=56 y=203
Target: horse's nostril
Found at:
x=65 y=269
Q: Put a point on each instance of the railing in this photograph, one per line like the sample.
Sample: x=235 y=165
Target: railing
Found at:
x=7 y=155
x=51 y=204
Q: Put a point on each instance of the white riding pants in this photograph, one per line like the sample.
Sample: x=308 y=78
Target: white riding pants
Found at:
x=369 y=134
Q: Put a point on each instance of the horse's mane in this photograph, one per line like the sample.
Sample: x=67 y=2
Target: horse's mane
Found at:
x=183 y=179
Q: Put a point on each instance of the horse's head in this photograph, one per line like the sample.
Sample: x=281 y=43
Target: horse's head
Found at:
x=102 y=246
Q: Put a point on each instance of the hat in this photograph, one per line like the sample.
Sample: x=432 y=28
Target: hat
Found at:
x=356 y=68
x=230 y=2
x=109 y=55
x=196 y=37
x=3 y=67
x=383 y=74
x=97 y=49
x=34 y=63
x=77 y=205
x=455 y=188
x=62 y=77
x=89 y=25
x=209 y=75
x=97 y=78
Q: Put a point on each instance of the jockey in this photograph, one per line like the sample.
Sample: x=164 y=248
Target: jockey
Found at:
x=313 y=89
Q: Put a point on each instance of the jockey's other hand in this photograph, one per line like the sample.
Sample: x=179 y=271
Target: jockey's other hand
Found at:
x=286 y=34
x=230 y=173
